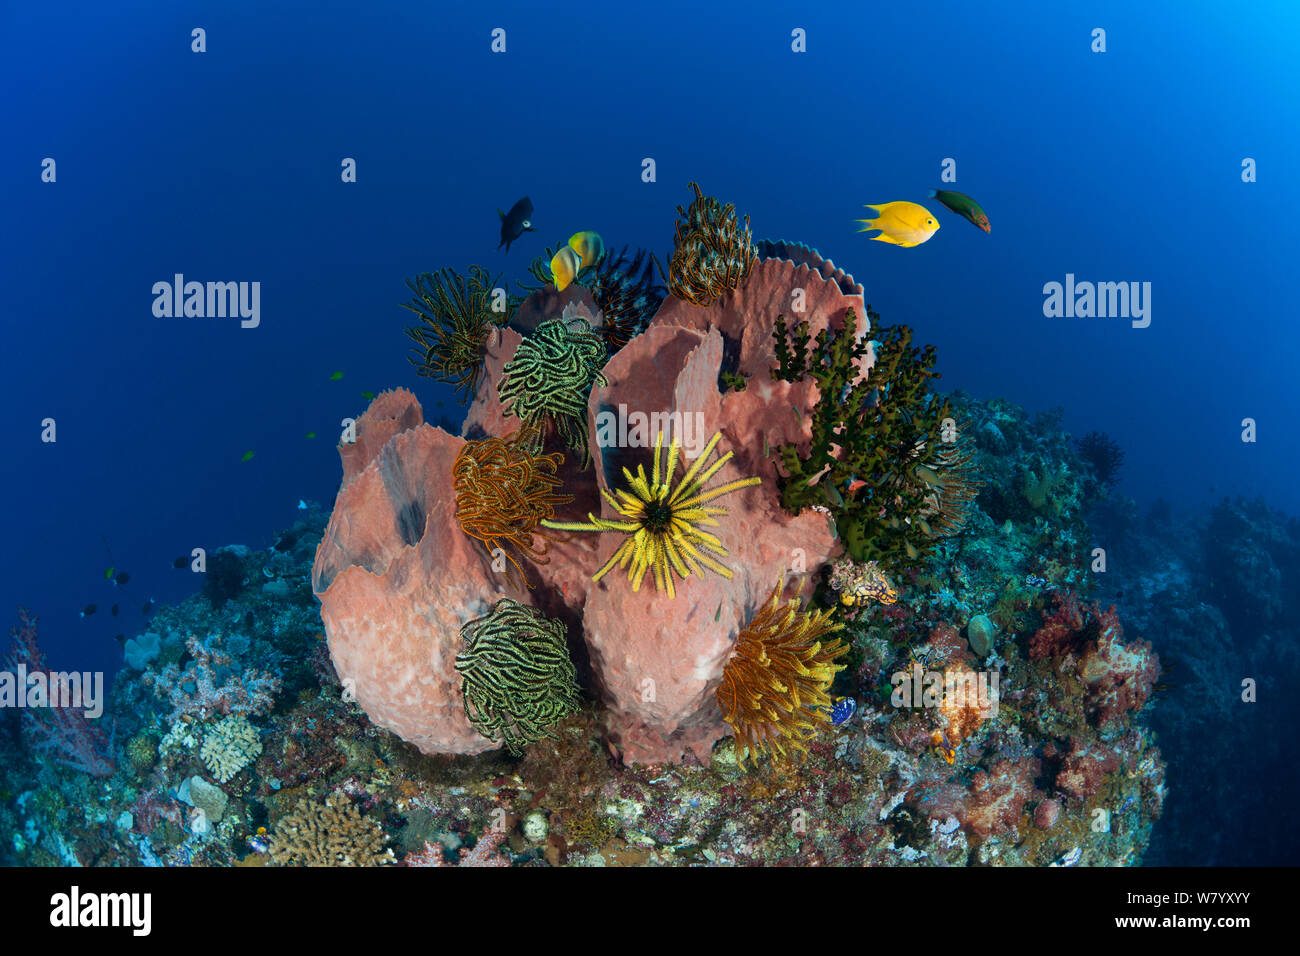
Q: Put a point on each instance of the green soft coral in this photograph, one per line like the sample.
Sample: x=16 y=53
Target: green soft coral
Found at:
x=886 y=431
x=1043 y=493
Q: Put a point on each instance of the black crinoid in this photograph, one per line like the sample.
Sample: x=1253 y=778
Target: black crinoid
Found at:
x=623 y=288
x=627 y=295
x=1102 y=455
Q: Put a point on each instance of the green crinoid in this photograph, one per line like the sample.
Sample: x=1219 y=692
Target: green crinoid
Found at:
x=457 y=314
x=550 y=378
x=517 y=679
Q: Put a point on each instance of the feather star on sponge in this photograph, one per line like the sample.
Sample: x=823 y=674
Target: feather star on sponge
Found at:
x=664 y=523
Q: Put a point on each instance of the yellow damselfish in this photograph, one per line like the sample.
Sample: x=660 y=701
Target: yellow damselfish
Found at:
x=589 y=246
x=904 y=224
x=565 y=264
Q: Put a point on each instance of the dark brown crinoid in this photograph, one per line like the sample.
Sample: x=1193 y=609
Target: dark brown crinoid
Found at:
x=503 y=493
x=712 y=253
x=457 y=315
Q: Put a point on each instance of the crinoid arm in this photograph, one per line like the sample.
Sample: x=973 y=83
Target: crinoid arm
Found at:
x=517 y=679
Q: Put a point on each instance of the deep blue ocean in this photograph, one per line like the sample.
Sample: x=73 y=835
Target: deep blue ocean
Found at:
x=225 y=165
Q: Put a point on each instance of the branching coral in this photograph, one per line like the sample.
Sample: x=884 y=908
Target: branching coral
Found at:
x=878 y=460
x=503 y=493
x=518 y=680
x=229 y=746
x=664 y=521
x=712 y=254
x=457 y=313
x=773 y=689
x=551 y=376
x=332 y=834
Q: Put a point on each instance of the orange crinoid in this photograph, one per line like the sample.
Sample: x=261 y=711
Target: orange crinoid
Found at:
x=774 y=685
x=504 y=491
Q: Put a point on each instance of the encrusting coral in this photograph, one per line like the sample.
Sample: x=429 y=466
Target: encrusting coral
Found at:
x=712 y=254
x=457 y=314
x=664 y=522
x=859 y=584
x=330 y=834
x=773 y=690
x=518 y=679
x=551 y=376
x=504 y=492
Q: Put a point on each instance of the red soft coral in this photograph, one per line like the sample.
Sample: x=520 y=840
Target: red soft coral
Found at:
x=1059 y=629
x=1119 y=676
x=1085 y=767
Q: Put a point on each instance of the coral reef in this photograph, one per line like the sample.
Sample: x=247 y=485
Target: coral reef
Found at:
x=933 y=543
x=773 y=690
x=518 y=679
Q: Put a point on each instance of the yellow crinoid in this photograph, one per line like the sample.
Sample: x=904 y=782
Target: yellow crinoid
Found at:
x=774 y=685
x=663 y=522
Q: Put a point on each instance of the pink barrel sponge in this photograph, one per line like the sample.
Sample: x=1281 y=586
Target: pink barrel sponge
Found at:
x=397 y=579
x=658 y=660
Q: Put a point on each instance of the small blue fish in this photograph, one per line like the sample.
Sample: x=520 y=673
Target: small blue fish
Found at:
x=302 y=505
x=1034 y=581
x=842 y=710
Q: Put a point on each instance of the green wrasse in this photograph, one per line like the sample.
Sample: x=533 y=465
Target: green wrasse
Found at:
x=962 y=205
